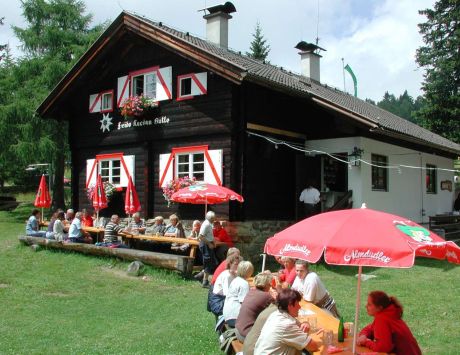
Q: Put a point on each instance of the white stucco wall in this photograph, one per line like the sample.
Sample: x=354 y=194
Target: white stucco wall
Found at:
x=406 y=195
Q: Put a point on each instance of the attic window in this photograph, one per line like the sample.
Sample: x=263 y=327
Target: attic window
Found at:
x=107 y=102
x=185 y=87
x=145 y=84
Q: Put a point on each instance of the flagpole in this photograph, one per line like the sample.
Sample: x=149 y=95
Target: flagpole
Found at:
x=343 y=73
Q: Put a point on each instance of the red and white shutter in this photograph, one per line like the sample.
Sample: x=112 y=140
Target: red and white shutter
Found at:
x=213 y=167
x=127 y=169
x=122 y=89
x=166 y=169
x=91 y=172
x=164 y=84
x=199 y=84
x=95 y=103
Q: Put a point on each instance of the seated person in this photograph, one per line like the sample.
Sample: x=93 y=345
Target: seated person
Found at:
x=288 y=274
x=49 y=231
x=69 y=216
x=86 y=219
x=257 y=299
x=218 y=292
x=222 y=266
x=194 y=234
x=174 y=228
x=111 y=231
x=254 y=334
x=388 y=333
x=221 y=235
x=237 y=292
x=312 y=289
x=282 y=333
x=76 y=235
x=59 y=229
x=158 y=227
x=33 y=225
x=137 y=224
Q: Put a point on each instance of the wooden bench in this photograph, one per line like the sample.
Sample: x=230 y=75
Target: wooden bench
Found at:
x=182 y=263
x=450 y=224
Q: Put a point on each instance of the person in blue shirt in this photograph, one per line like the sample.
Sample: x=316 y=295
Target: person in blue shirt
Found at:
x=33 y=226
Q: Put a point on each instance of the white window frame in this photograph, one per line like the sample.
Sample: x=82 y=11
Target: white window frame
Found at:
x=191 y=161
x=110 y=101
x=111 y=176
x=145 y=74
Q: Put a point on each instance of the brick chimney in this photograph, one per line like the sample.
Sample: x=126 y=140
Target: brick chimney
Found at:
x=309 y=60
x=217 y=23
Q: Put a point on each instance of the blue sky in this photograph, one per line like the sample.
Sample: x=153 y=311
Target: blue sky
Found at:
x=377 y=38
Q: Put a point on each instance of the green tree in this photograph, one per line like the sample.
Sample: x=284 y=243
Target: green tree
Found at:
x=403 y=106
x=259 y=48
x=3 y=47
x=440 y=57
x=57 y=33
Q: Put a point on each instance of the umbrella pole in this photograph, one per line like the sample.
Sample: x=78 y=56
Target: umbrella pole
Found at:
x=358 y=306
x=43 y=217
x=264 y=256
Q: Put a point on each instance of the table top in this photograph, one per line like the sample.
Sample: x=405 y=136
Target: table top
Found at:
x=326 y=321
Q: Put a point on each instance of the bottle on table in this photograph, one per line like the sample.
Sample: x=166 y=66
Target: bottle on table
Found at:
x=340 y=334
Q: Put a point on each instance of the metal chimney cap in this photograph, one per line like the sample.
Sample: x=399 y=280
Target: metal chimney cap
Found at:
x=227 y=8
x=308 y=47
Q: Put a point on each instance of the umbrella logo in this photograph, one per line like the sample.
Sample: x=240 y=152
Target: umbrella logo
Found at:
x=419 y=234
x=452 y=254
x=298 y=248
x=356 y=254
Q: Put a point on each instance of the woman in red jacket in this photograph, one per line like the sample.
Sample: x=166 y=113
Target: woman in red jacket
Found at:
x=388 y=332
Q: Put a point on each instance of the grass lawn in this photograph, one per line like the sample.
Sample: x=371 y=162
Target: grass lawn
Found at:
x=55 y=303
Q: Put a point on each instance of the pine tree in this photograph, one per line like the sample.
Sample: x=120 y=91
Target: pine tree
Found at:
x=57 y=33
x=258 y=49
x=440 y=57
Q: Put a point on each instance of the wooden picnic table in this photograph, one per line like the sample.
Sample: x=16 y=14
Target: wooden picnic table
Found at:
x=327 y=321
x=92 y=230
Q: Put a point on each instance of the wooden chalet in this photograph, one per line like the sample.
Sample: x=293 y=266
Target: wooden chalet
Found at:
x=217 y=112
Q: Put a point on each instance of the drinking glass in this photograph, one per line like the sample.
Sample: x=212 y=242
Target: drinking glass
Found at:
x=328 y=337
x=348 y=329
x=313 y=323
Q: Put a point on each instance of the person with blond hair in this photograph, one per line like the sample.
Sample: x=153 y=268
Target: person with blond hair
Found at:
x=174 y=228
x=257 y=299
x=388 y=333
x=237 y=292
x=223 y=265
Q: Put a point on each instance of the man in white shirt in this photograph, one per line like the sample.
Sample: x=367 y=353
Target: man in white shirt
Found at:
x=282 y=333
x=312 y=289
x=310 y=196
x=207 y=246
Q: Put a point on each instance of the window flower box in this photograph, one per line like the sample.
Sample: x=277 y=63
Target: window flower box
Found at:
x=137 y=106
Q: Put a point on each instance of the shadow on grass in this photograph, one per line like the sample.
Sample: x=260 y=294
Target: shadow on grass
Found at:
x=436 y=264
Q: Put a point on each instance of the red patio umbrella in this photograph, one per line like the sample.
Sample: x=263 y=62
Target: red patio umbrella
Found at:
x=361 y=237
x=43 y=198
x=204 y=194
x=99 y=197
x=132 y=204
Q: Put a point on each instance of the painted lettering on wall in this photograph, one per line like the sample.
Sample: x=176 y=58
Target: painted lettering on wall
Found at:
x=145 y=122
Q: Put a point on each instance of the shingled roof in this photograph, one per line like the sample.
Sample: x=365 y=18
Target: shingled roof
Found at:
x=249 y=69
x=257 y=70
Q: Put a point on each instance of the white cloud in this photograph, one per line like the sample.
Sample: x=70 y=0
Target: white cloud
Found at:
x=377 y=38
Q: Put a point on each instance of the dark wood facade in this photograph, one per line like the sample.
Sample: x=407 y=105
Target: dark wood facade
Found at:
x=269 y=177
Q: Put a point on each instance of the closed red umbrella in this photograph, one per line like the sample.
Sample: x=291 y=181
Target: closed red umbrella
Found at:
x=132 y=204
x=99 y=197
x=43 y=198
x=361 y=237
x=204 y=194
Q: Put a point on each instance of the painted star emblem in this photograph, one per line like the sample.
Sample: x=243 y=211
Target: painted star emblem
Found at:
x=106 y=122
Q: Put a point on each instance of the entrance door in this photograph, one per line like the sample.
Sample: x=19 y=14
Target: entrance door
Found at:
x=306 y=168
